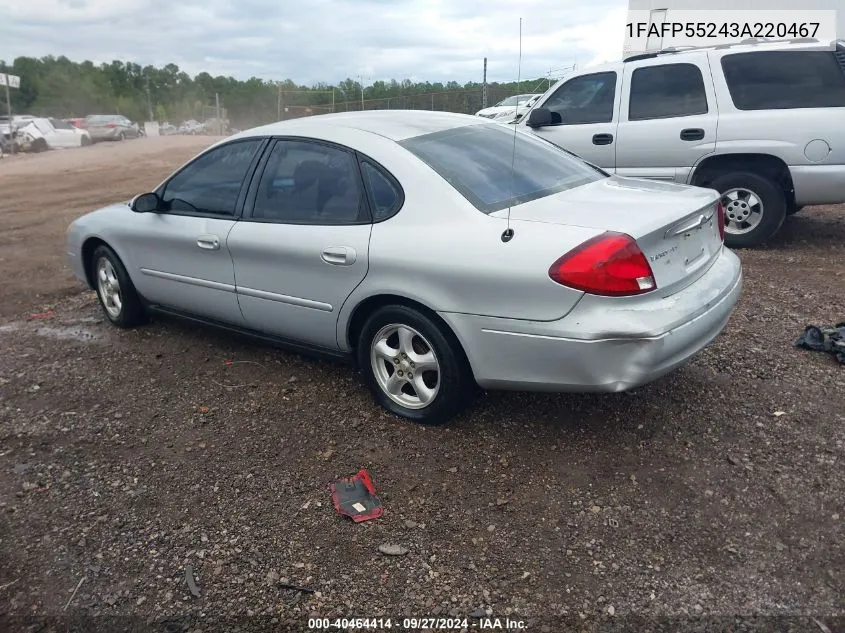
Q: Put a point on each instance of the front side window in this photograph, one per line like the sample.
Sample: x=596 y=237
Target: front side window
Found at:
x=779 y=80
x=494 y=168
x=584 y=99
x=212 y=183
x=305 y=182
x=666 y=91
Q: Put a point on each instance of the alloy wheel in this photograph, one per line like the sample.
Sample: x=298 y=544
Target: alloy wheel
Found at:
x=108 y=287
x=405 y=366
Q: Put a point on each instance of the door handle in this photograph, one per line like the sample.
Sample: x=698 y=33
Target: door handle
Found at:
x=692 y=134
x=602 y=139
x=339 y=255
x=209 y=242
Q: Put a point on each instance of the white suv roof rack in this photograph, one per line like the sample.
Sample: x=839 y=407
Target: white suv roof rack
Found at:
x=753 y=41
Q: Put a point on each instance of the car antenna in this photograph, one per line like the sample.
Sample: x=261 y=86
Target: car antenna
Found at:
x=507 y=235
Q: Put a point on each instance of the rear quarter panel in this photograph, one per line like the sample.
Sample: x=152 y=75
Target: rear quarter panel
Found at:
x=442 y=252
x=784 y=134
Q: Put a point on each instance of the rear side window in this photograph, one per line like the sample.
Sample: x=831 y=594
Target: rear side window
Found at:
x=494 y=167
x=386 y=195
x=670 y=90
x=782 y=80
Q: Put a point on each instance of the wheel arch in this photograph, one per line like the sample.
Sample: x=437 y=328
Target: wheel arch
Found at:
x=87 y=254
x=762 y=164
x=362 y=311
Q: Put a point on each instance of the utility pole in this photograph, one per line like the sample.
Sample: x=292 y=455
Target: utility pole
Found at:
x=217 y=113
x=432 y=101
x=332 y=98
x=7 y=81
x=361 y=79
x=484 y=87
x=279 y=102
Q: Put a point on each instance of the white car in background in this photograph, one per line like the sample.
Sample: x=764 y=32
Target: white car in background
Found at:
x=510 y=108
x=191 y=127
x=40 y=134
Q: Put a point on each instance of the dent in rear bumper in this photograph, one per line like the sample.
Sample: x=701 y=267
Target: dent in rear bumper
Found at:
x=580 y=353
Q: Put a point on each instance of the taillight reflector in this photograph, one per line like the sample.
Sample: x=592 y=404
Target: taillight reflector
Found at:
x=720 y=214
x=610 y=264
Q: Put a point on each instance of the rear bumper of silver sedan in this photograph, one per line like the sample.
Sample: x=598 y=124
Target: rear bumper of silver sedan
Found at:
x=604 y=344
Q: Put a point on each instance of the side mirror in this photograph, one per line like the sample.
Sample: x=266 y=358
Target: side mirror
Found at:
x=538 y=117
x=146 y=203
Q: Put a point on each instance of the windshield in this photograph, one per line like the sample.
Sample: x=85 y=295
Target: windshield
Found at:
x=476 y=160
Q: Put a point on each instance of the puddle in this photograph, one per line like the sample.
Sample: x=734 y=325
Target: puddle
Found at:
x=69 y=333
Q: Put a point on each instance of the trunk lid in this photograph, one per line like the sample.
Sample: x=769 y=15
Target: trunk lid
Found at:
x=675 y=226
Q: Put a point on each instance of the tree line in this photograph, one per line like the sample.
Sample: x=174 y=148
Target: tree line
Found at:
x=59 y=87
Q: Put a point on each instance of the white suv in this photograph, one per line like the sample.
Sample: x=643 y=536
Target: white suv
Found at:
x=761 y=122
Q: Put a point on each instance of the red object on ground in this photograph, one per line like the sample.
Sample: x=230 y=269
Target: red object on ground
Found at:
x=355 y=497
x=41 y=315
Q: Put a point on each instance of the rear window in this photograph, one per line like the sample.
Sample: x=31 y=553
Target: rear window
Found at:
x=102 y=118
x=495 y=169
x=780 y=80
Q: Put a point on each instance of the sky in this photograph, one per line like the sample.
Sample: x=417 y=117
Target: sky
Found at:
x=323 y=40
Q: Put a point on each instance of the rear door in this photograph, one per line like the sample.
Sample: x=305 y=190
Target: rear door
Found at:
x=668 y=117
x=303 y=244
x=63 y=134
x=179 y=256
x=584 y=113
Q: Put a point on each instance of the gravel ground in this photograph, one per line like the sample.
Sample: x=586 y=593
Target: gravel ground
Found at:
x=126 y=456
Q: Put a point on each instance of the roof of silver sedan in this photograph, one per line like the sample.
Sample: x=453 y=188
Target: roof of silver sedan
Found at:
x=396 y=125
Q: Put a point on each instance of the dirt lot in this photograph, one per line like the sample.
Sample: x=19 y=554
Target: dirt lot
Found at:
x=718 y=491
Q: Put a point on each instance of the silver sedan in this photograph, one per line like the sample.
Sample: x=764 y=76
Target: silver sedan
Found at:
x=437 y=251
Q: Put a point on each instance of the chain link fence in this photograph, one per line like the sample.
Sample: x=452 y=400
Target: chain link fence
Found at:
x=274 y=103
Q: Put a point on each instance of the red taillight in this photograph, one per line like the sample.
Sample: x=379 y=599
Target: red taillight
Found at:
x=111 y=124
x=610 y=264
x=720 y=214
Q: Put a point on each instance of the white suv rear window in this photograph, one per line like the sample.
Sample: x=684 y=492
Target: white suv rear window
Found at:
x=779 y=80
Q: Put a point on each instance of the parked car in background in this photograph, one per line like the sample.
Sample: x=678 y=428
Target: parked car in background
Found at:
x=510 y=108
x=41 y=134
x=553 y=275
x=8 y=134
x=191 y=127
x=763 y=123
x=9 y=129
x=111 y=127
x=167 y=129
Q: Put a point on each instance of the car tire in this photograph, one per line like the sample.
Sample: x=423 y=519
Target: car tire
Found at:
x=742 y=194
x=396 y=330
x=793 y=208
x=115 y=291
x=86 y=141
x=40 y=145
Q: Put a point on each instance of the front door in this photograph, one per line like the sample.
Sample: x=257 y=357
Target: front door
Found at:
x=303 y=244
x=584 y=114
x=180 y=256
